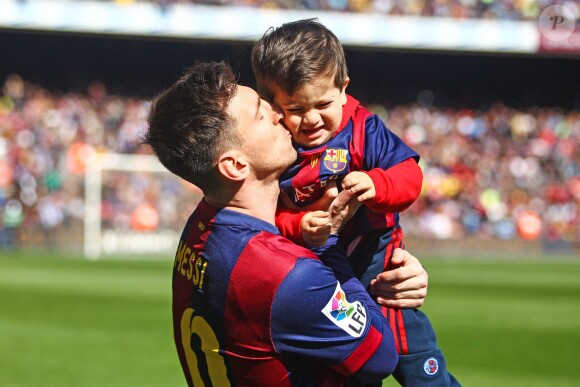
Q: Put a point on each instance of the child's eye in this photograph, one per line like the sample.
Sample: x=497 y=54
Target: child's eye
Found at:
x=294 y=110
x=323 y=105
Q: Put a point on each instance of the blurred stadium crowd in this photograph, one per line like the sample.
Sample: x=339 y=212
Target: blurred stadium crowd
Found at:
x=499 y=173
x=458 y=9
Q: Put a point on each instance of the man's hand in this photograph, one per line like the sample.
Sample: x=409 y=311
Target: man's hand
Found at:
x=342 y=210
x=315 y=228
x=360 y=184
x=403 y=287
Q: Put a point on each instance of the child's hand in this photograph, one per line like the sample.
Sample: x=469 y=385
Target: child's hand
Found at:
x=315 y=228
x=360 y=184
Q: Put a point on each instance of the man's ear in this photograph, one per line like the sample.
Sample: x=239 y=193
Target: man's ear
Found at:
x=233 y=166
x=343 y=91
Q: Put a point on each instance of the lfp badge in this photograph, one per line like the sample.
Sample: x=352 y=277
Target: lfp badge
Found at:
x=351 y=317
x=335 y=159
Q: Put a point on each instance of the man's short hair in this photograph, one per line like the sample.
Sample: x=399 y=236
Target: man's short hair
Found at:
x=295 y=54
x=189 y=124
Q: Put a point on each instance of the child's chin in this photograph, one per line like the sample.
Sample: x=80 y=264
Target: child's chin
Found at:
x=313 y=140
x=310 y=143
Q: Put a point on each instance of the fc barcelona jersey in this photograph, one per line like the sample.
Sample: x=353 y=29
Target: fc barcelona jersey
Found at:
x=250 y=308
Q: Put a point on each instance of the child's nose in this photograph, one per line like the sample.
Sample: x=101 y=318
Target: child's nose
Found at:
x=311 y=117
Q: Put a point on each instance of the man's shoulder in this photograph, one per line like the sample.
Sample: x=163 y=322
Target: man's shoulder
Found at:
x=272 y=258
x=281 y=246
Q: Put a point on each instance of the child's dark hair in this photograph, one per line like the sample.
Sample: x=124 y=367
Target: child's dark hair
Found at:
x=295 y=54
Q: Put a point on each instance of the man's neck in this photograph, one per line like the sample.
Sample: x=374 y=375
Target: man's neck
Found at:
x=256 y=198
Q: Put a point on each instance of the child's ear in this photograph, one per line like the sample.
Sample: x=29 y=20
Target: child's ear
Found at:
x=343 y=91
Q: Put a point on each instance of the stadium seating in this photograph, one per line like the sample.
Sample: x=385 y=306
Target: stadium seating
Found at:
x=499 y=173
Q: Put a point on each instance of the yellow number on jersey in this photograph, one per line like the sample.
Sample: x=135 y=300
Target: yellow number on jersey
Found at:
x=196 y=325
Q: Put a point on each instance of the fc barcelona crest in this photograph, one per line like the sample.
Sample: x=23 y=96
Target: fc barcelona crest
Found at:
x=335 y=159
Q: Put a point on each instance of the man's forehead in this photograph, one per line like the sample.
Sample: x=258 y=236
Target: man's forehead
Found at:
x=243 y=96
x=308 y=92
x=246 y=90
x=245 y=103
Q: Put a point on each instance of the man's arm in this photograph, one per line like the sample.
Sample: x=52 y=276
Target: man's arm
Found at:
x=324 y=313
x=403 y=287
x=349 y=330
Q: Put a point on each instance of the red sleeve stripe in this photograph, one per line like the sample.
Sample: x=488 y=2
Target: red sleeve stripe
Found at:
x=402 y=333
x=362 y=354
x=390 y=315
x=395 y=316
x=398 y=243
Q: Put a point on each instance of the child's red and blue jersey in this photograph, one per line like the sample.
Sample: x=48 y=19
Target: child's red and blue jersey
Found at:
x=363 y=143
x=251 y=308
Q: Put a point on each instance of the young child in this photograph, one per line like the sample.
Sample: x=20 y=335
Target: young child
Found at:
x=300 y=66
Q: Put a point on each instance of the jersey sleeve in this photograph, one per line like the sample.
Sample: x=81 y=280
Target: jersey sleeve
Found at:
x=333 y=322
x=383 y=148
x=288 y=223
x=392 y=166
x=397 y=187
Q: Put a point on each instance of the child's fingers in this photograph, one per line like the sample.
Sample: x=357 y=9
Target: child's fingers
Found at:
x=318 y=218
x=358 y=188
x=318 y=221
x=316 y=236
x=363 y=192
x=321 y=230
x=366 y=195
x=353 y=179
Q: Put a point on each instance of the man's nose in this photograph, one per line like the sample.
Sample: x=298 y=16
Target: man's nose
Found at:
x=277 y=114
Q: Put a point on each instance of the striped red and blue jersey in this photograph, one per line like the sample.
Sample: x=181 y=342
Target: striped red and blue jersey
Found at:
x=363 y=143
x=251 y=308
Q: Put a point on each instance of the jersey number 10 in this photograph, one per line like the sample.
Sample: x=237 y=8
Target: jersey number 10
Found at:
x=195 y=328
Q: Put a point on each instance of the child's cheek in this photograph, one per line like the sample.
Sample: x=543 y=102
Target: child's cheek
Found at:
x=291 y=122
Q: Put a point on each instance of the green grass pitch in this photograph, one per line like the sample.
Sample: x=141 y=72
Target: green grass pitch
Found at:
x=71 y=322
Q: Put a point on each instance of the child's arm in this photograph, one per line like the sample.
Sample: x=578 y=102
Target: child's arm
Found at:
x=288 y=223
x=306 y=226
x=390 y=190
